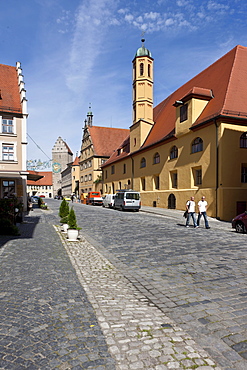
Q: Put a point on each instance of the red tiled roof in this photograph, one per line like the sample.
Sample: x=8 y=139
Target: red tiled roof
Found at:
x=9 y=90
x=46 y=179
x=76 y=162
x=223 y=84
x=106 y=139
x=226 y=78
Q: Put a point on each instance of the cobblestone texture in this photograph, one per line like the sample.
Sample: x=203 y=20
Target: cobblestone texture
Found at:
x=140 y=291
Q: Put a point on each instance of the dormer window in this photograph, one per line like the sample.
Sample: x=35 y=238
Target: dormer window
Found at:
x=183 y=112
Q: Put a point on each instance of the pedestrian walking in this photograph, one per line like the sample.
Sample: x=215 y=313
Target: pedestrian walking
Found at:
x=202 y=206
x=190 y=206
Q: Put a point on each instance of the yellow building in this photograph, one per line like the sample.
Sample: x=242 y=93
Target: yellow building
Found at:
x=96 y=148
x=193 y=143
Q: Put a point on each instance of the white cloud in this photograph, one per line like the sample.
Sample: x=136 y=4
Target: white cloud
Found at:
x=212 y=5
x=129 y=18
x=87 y=41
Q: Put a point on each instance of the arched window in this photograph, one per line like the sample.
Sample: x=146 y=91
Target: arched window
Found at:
x=243 y=140
x=197 y=145
x=149 y=70
x=174 y=152
x=143 y=163
x=141 y=69
x=156 y=158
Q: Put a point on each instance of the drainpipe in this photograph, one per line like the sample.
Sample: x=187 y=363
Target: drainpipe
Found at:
x=217 y=168
x=132 y=173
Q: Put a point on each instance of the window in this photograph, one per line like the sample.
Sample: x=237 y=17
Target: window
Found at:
x=143 y=183
x=197 y=145
x=143 y=163
x=156 y=182
x=174 y=152
x=7 y=126
x=8 y=152
x=8 y=188
x=124 y=168
x=244 y=173
x=141 y=69
x=197 y=174
x=112 y=170
x=174 y=179
x=156 y=158
x=243 y=140
x=89 y=177
x=149 y=70
x=183 y=112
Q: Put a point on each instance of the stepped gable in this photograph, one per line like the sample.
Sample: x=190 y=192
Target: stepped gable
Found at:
x=9 y=90
x=106 y=139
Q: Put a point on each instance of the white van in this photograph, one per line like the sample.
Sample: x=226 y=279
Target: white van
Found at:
x=127 y=199
x=108 y=200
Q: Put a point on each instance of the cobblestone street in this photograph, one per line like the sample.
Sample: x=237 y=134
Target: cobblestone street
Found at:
x=138 y=291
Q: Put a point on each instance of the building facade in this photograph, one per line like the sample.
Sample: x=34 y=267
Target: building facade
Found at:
x=13 y=132
x=61 y=157
x=195 y=144
x=97 y=145
x=41 y=187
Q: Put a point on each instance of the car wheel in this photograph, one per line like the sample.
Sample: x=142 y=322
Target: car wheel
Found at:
x=240 y=228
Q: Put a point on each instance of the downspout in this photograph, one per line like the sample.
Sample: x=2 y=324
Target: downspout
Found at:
x=132 y=172
x=217 y=168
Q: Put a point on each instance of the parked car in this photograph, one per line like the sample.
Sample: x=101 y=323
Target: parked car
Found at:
x=108 y=200
x=239 y=223
x=127 y=199
x=94 y=198
x=67 y=198
x=34 y=199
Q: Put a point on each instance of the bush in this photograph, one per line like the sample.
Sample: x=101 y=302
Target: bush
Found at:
x=64 y=211
x=72 y=219
x=7 y=227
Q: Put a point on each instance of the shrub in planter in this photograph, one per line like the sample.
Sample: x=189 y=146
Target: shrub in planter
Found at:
x=73 y=229
x=72 y=219
x=64 y=211
x=8 y=228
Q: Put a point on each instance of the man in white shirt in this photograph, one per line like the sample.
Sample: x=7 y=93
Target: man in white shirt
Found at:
x=203 y=205
x=190 y=206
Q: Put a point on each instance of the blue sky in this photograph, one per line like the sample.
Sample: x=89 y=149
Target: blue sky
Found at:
x=77 y=52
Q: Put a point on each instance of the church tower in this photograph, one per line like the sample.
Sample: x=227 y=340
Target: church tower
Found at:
x=142 y=97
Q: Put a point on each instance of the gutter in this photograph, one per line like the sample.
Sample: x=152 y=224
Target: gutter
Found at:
x=217 y=168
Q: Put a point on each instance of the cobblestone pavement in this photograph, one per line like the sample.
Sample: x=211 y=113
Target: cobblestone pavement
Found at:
x=46 y=319
x=196 y=277
x=139 y=289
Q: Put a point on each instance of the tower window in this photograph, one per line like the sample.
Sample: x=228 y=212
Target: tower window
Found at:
x=149 y=70
x=141 y=69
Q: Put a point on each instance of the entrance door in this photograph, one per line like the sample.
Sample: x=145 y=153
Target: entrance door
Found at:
x=172 y=201
x=241 y=207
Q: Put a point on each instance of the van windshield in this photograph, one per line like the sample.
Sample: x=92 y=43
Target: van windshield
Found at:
x=135 y=196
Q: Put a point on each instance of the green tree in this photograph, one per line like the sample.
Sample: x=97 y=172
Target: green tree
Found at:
x=64 y=211
x=72 y=219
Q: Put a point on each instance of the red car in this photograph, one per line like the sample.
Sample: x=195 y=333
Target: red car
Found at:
x=240 y=223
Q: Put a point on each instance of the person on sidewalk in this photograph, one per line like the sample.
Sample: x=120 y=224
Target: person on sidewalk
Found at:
x=190 y=206
x=202 y=206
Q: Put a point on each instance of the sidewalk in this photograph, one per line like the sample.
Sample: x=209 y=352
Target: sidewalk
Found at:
x=81 y=313
x=178 y=216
